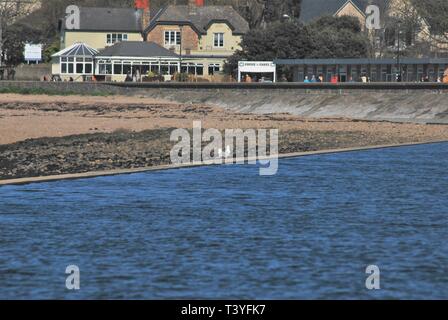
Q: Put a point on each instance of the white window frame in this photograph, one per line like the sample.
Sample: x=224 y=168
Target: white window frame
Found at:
x=105 y=63
x=218 y=37
x=112 y=38
x=216 y=68
x=174 y=37
x=192 y=68
x=73 y=62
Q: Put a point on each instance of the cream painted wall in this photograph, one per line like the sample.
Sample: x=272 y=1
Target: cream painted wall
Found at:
x=231 y=42
x=97 y=40
x=55 y=66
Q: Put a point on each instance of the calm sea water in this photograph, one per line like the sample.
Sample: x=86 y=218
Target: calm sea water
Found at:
x=225 y=232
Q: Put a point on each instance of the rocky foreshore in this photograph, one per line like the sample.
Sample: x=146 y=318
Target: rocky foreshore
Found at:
x=130 y=150
x=42 y=136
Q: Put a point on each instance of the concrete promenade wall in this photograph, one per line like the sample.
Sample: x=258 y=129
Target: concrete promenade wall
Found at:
x=414 y=102
x=32 y=72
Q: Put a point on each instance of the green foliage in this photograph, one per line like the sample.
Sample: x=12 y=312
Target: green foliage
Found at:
x=275 y=9
x=50 y=50
x=152 y=74
x=328 y=37
x=50 y=92
x=181 y=77
x=337 y=23
x=280 y=40
x=338 y=37
x=13 y=49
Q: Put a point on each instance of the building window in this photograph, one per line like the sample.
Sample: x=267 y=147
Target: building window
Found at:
x=79 y=68
x=127 y=67
x=79 y=65
x=172 y=38
x=199 y=69
x=70 y=65
x=120 y=67
x=104 y=67
x=213 y=68
x=64 y=65
x=193 y=68
x=116 y=37
x=218 y=40
x=88 y=68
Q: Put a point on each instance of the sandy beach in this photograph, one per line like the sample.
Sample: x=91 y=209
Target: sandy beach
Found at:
x=46 y=135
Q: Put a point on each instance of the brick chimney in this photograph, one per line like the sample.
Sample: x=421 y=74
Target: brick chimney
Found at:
x=196 y=3
x=145 y=7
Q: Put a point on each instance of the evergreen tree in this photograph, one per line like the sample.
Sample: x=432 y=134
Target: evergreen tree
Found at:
x=327 y=37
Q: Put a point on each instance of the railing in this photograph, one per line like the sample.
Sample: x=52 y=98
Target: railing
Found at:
x=288 y=85
x=303 y=87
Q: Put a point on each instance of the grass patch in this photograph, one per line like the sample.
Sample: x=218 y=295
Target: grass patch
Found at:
x=50 y=92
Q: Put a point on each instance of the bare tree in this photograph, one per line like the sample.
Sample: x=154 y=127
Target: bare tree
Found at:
x=10 y=11
x=435 y=14
x=405 y=31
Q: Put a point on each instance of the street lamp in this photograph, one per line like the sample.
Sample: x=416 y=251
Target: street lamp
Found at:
x=180 y=52
x=286 y=17
x=399 y=76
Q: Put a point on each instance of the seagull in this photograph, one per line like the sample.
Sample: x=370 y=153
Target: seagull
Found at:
x=228 y=152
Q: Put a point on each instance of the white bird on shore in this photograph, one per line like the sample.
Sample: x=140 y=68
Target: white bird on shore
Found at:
x=226 y=155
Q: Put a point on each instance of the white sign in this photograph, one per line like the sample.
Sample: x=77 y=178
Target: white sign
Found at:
x=33 y=52
x=256 y=67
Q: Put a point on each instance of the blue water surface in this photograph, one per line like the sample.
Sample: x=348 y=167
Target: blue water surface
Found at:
x=226 y=233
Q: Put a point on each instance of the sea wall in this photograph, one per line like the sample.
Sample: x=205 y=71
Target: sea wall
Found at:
x=32 y=72
x=422 y=102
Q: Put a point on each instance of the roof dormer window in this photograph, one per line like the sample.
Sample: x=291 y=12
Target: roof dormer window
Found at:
x=172 y=38
x=113 y=38
x=218 y=40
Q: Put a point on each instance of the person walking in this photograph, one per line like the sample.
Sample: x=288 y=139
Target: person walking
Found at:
x=128 y=77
